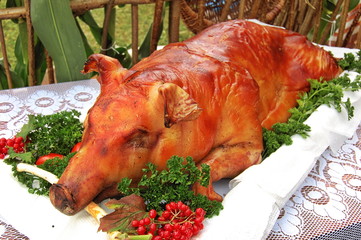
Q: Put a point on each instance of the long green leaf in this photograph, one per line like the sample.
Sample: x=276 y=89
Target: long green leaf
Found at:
x=55 y=26
x=88 y=18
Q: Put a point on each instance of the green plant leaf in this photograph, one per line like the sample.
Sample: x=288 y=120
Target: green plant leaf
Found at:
x=17 y=81
x=88 y=18
x=55 y=26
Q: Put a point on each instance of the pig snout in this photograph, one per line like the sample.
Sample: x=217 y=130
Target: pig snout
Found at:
x=62 y=199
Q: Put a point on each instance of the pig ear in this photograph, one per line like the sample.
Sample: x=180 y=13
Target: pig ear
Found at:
x=178 y=105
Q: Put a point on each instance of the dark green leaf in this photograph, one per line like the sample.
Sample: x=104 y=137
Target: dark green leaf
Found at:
x=55 y=25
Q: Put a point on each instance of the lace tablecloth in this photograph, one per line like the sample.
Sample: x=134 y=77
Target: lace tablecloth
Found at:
x=326 y=206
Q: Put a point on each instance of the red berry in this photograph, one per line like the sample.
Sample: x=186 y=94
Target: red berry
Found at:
x=4 y=150
x=141 y=230
x=135 y=223
x=173 y=205
x=166 y=234
x=146 y=221
x=152 y=213
x=176 y=226
x=166 y=214
x=176 y=234
x=200 y=212
x=2 y=156
x=157 y=238
x=188 y=212
x=153 y=227
x=10 y=142
x=2 y=143
x=179 y=205
x=198 y=220
x=18 y=139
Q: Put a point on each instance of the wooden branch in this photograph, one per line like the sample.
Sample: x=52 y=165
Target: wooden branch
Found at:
x=201 y=9
x=135 y=26
x=174 y=17
x=12 y=13
x=77 y=7
x=317 y=21
x=327 y=30
x=343 y=20
x=308 y=17
x=31 y=48
x=5 y=56
x=49 y=67
x=157 y=20
x=225 y=10
x=242 y=7
x=108 y=11
x=255 y=7
x=292 y=15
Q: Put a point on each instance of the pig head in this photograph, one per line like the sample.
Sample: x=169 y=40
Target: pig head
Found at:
x=201 y=98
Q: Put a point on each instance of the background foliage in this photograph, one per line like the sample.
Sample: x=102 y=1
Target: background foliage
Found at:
x=69 y=40
x=55 y=26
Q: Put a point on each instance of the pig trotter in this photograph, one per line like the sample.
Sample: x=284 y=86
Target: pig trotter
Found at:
x=62 y=199
x=207 y=191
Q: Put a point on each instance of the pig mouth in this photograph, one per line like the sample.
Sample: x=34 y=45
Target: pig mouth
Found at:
x=62 y=199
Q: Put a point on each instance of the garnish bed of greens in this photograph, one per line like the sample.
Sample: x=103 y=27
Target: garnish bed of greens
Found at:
x=44 y=134
x=173 y=184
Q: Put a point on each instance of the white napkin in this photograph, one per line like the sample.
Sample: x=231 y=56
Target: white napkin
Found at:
x=253 y=204
x=36 y=217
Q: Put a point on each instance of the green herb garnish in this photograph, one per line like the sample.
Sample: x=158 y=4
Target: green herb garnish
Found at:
x=56 y=133
x=321 y=92
x=173 y=184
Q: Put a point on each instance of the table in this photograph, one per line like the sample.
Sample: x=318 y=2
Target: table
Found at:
x=326 y=206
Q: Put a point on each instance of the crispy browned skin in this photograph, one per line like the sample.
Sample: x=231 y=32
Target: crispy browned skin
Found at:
x=207 y=97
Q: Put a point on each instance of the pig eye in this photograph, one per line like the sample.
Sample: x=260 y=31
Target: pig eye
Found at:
x=138 y=139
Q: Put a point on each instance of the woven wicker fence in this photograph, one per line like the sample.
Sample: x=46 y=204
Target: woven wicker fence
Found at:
x=304 y=16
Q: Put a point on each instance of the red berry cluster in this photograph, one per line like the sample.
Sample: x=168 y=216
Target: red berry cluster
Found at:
x=177 y=221
x=17 y=143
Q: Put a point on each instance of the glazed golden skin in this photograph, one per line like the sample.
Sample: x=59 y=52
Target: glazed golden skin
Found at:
x=207 y=97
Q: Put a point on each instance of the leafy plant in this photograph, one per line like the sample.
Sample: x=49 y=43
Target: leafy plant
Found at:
x=64 y=37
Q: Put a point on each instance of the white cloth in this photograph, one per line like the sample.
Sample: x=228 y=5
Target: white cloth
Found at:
x=36 y=217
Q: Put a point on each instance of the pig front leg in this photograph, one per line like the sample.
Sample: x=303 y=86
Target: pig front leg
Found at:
x=227 y=161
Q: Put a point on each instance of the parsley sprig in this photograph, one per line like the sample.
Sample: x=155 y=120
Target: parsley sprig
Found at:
x=173 y=184
x=330 y=93
x=351 y=62
x=56 y=133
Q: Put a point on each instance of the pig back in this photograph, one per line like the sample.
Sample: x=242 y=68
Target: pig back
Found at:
x=226 y=93
x=280 y=61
